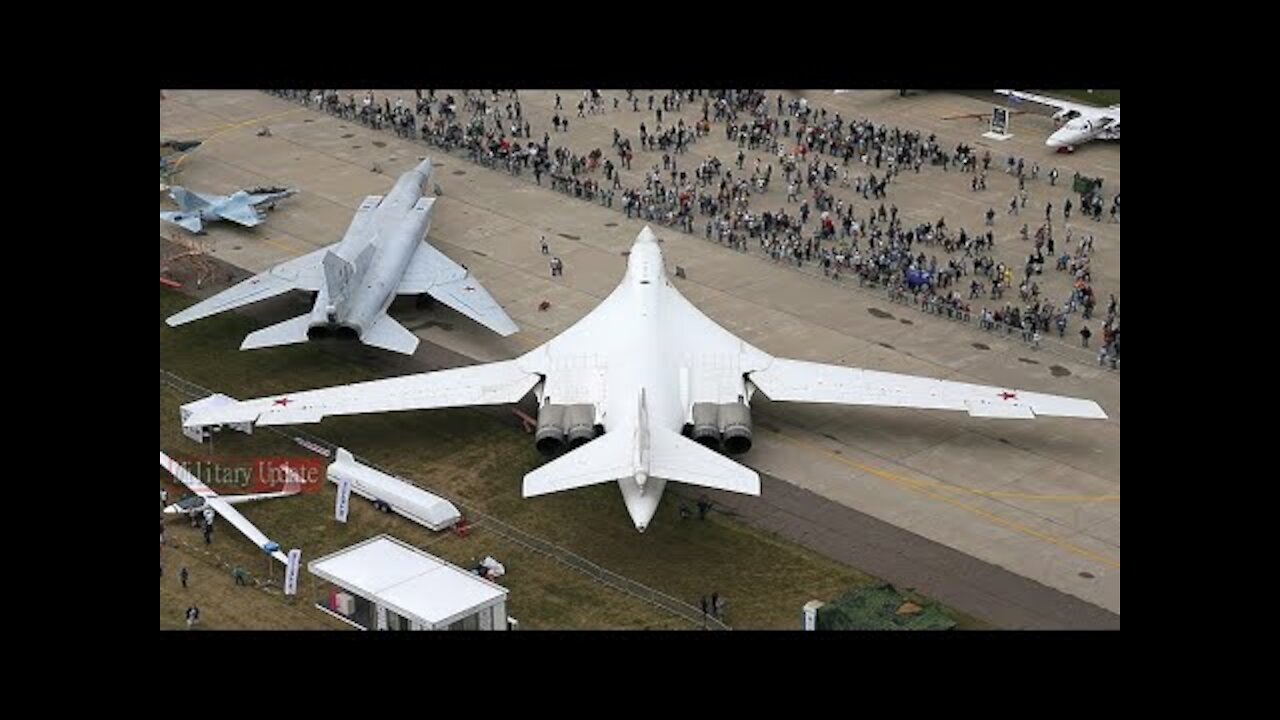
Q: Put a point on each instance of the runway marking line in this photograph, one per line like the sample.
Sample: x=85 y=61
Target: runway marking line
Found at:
x=925 y=490
x=231 y=126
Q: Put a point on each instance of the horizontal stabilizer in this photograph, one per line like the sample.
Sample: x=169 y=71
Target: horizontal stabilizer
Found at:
x=675 y=457
x=188 y=221
x=288 y=332
x=606 y=458
x=388 y=334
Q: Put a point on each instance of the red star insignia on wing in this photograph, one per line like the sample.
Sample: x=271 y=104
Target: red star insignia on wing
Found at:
x=1008 y=396
x=283 y=401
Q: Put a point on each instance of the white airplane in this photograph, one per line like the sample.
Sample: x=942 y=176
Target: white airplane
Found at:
x=205 y=497
x=636 y=385
x=1083 y=122
x=383 y=254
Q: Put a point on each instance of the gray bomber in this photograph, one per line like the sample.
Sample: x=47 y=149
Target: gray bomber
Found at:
x=383 y=254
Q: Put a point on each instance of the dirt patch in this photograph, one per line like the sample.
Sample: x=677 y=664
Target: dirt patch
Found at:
x=1059 y=371
x=309 y=120
x=235 y=247
x=1086 y=575
x=982 y=346
x=830 y=437
x=1029 y=361
x=877 y=312
x=905 y=321
x=348 y=136
x=567 y=236
x=886 y=345
x=459 y=172
x=625 y=253
x=379 y=143
x=611 y=224
x=1003 y=440
x=480 y=253
x=355 y=147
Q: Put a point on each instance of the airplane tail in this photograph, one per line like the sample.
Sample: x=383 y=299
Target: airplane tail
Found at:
x=293 y=330
x=640 y=454
x=338 y=272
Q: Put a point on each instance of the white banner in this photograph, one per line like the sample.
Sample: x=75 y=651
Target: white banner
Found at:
x=344 y=499
x=291 y=573
x=811 y=614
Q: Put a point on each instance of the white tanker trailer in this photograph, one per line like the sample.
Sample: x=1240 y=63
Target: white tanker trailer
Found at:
x=392 y=494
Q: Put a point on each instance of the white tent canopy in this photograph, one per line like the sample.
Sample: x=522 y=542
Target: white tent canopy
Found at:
x=408 y=581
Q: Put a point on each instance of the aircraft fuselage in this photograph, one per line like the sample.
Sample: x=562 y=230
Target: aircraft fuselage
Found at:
x=372 y=258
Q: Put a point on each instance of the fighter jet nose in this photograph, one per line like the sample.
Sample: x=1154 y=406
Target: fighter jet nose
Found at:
x=641 y=527
x=646 y=236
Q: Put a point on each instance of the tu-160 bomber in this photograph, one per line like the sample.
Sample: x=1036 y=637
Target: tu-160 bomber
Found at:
x=383 y=254
x=641 y=391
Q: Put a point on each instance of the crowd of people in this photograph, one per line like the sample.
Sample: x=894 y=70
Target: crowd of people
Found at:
x=818 y=154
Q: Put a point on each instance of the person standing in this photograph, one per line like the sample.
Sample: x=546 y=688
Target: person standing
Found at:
x=183 y=577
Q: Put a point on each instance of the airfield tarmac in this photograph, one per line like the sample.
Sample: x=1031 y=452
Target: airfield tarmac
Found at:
x=1039 y=499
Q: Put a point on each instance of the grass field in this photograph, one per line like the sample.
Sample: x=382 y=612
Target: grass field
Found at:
x=478 y=459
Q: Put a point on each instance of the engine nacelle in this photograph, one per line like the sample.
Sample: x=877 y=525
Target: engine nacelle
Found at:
x=728 y=423
x=580 y=424
x=550 y=435
x=559 y=425
x=735 y=427
x=706 y=424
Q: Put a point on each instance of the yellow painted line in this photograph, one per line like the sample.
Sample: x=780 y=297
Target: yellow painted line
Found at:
x=230 y=126
x=925 y=490
x=234 y=126
x=1027 y=496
